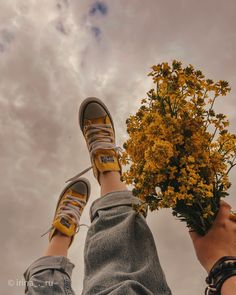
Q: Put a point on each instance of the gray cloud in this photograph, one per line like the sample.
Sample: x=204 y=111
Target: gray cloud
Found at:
x=6 y=38
x=50 y=60
x=98 y=7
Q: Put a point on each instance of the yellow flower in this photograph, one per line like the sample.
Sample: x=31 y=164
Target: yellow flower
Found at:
x=177 y=142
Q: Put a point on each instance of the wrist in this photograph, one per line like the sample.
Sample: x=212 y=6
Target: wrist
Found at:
x=213 y=260
x=229 y=286
x=222 y=270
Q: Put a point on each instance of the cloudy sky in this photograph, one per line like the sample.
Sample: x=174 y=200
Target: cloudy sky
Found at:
x=55 y=53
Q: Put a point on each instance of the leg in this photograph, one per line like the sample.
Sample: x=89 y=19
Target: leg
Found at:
x=51 y=273
x=110 y=182
x=58 y=246
x=120 y=254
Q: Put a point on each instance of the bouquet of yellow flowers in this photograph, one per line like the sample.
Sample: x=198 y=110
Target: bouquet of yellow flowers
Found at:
x=179 y=150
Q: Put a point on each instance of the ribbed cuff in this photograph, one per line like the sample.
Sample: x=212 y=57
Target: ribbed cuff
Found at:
x=113 y=199
x=60 y=263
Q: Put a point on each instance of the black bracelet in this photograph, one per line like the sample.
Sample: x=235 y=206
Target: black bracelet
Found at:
x=223 y=269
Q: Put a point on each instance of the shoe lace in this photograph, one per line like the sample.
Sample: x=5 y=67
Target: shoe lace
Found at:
x=70 y=208
x=99 y=136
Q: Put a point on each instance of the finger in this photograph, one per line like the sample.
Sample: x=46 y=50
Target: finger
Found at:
x=232 y=216
x=224 y=212
x=224 y=203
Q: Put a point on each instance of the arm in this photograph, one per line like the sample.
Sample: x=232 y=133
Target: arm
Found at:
x=218 y=242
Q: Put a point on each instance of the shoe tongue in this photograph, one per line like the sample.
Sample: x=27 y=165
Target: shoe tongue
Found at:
x=66 y=221
x=101 y=120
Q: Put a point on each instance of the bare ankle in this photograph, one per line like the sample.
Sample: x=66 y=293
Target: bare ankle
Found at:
x=110 y=182
x=58 y=245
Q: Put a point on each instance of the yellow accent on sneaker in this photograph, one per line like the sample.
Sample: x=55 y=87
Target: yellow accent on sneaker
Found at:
x=104 y=161
x=99 y=134
x=69 y=209
x=98 y=129
x=65 y=226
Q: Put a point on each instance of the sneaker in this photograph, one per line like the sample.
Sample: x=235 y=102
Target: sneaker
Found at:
x=98 y=129
x=70 y=207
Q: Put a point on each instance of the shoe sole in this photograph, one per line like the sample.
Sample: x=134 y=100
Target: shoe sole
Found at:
x=84 y=180
x=83 y=106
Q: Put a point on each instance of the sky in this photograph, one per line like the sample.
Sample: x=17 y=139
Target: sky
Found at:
x=54 y=54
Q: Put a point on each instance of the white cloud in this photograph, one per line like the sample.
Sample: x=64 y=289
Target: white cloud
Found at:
x=50 y=61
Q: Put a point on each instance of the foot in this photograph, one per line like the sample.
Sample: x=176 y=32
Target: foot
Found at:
x=70 y=207
x=98 y=129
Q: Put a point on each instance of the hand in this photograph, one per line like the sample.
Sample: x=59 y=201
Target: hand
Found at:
x=219 y=241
